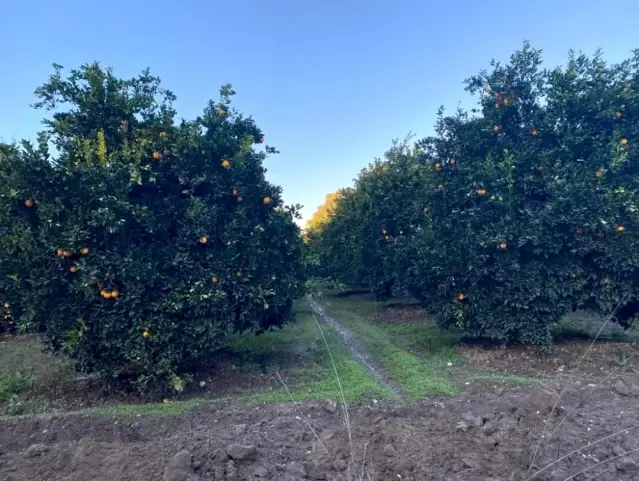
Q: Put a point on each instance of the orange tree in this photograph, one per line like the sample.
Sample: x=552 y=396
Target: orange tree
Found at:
x=154 y=240
x=533 y=202
x=366 y=240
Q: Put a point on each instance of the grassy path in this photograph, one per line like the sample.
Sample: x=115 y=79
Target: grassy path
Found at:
x=358 y=352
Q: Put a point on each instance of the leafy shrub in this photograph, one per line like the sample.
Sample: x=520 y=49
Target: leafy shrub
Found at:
x=530 y=205
x=145 y=242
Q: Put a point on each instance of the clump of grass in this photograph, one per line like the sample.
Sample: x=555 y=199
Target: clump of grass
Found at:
x=14 y=383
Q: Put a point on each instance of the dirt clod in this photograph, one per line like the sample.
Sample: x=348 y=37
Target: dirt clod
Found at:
x=35 y=450
x=340 y=465
x=179 y=468
x=239 y=452
x=231 y=470
x=261 y=472
x=331 y=407
x=314 y=470
x=389 y=450
x=621 y=389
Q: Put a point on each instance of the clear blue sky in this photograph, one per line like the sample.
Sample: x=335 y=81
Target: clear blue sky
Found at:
x=330 y=82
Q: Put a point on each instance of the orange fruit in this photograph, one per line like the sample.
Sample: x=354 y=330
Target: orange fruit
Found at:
x=235 y=192
x=222 y=112
x=618 y=115
x=84 y=251
x=440 y=187
x=226 y=164
x=238 y=273
x=28 y=203
x=115 y=294
x=386 y=237
x=146 y=334
x=240 y=198
x=503 y=245
x=438 y=166
x=496 y=128
x=598 y=174
x=73 y=268
x=623 y=142
x=425 y=209
x=204 y=240
x=60 y=252
x=67 y=253
x=620 y=228
x=157 y=155
x=481 y=192
x=267 y=200
x=163 y=135
x=106 y=294
x=214 y=280
x=461 y=296
x=534 y=132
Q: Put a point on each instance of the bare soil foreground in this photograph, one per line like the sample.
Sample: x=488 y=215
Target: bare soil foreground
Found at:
x=485 y=433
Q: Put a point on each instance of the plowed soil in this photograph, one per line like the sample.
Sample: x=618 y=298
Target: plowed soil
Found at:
x=483 y=434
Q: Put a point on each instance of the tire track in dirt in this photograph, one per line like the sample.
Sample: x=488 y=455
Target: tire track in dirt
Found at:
x=359 y=353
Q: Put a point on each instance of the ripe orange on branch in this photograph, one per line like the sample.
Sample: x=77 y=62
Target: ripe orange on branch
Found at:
x=28 y=203
x=267 y=200
x=204 y=240
x=226 y=164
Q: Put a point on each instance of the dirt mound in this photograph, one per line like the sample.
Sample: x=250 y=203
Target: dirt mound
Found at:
x=490 y=436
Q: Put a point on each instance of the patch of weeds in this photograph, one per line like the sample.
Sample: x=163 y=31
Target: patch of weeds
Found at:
x=14 y=383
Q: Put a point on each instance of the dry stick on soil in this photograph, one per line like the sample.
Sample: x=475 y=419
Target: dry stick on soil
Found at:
x=534 y=456
x=341 y=391
x=361 y=477
x=600 y=463
x=589 y=445
x=600 y=473
x=300 y=412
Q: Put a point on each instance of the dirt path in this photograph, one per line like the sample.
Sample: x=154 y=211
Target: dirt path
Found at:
x=359 y=353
